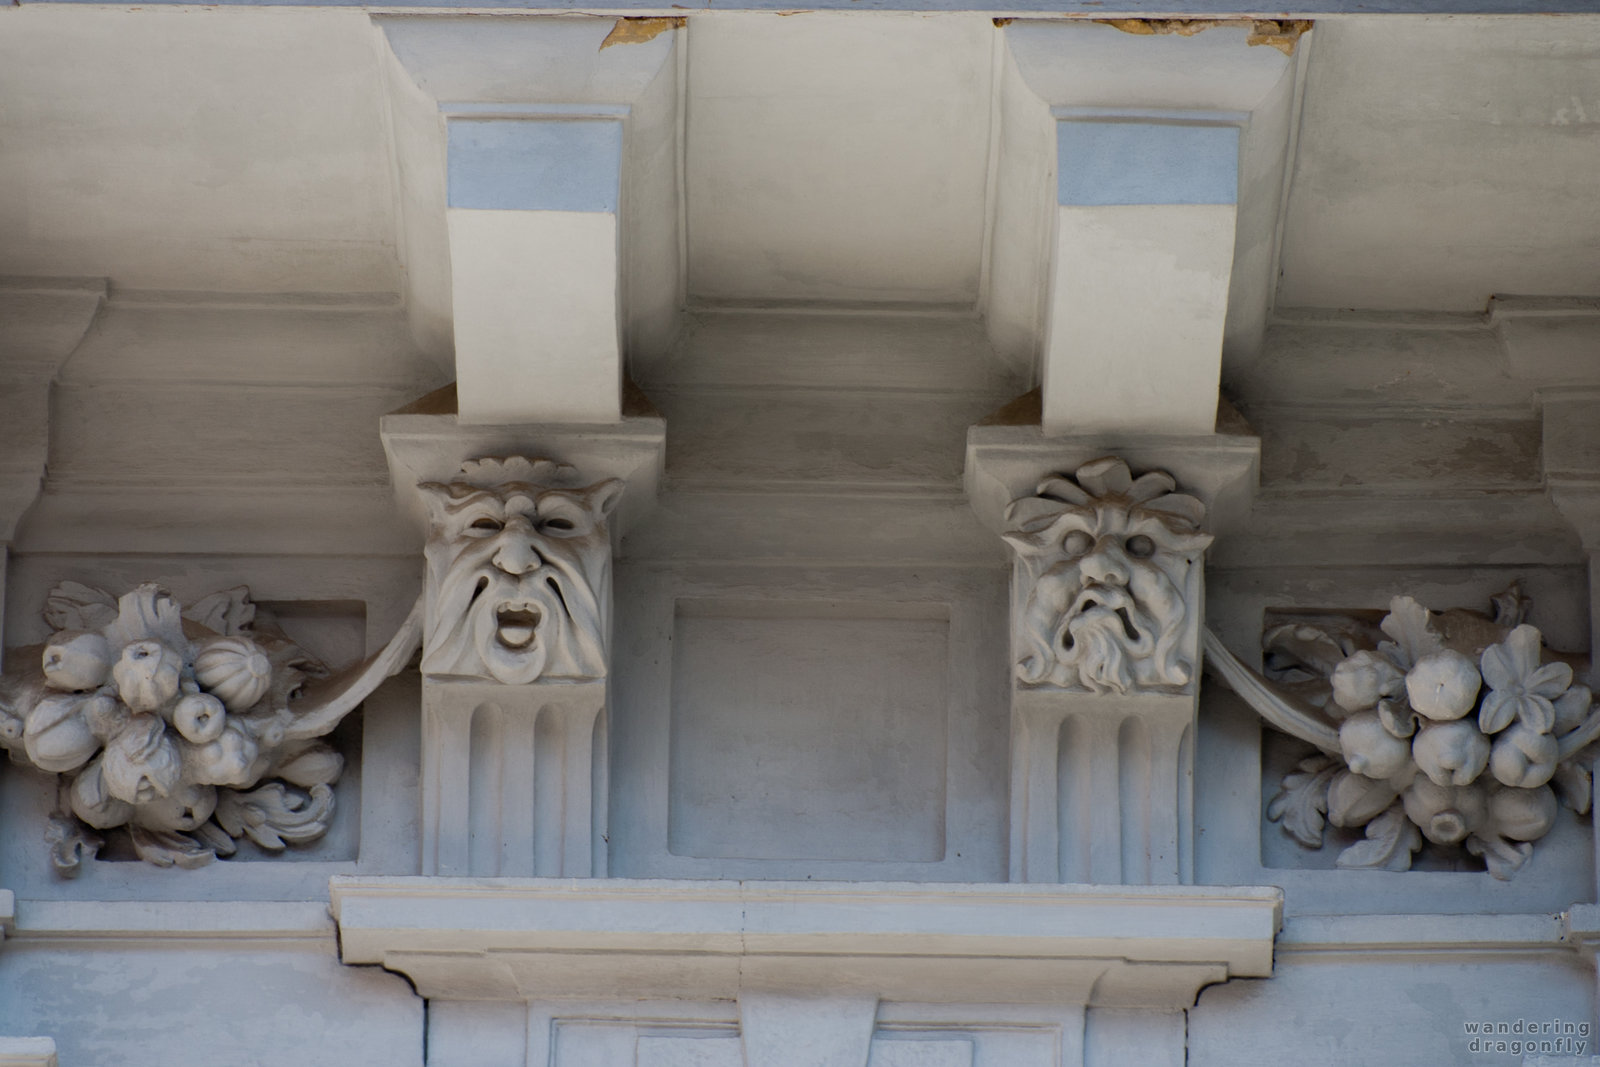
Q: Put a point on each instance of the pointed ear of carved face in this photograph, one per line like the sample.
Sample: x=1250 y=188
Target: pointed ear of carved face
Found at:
x=1031 y=523
x=603 y=496
x=437 y=498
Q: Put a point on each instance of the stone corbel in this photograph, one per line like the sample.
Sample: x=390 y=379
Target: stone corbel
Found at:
x=521 y=526
x=1107 y=614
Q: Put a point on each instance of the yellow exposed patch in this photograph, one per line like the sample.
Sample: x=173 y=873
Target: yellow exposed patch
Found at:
x=1282 y=34
x=638 y=31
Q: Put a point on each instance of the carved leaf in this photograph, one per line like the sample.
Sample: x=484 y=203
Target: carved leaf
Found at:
x=228 y=612
x=1574 y=784
x=1302 y=800
x=1391 y=839
x=70 y=843
x=72 y=606
x=1411 y=632
x=216 y=839
x=273 y=816
x=1503 y=858
x=1397 y=717
x=166 y=849
x=148 y=613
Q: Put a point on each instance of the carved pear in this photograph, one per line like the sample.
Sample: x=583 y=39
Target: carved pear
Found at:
x=74 y=659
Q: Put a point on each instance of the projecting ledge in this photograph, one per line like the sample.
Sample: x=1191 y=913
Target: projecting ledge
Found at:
x=524 y=939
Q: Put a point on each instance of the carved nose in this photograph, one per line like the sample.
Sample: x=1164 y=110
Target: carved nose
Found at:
x=516 y=556
x=1105 y=566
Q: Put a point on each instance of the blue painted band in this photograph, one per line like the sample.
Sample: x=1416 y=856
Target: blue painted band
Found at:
x=535 y=164
x=1105 y=163
x=1096 y=9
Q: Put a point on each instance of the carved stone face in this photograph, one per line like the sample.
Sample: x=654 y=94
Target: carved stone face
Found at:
x=1104 y=580
x=519 y=570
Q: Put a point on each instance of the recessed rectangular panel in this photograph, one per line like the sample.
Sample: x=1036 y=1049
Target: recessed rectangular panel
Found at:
x=690 y=1052
x=915 y=1052
x=808 y=730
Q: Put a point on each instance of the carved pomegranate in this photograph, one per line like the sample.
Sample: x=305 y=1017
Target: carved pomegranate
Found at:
x=234 y=670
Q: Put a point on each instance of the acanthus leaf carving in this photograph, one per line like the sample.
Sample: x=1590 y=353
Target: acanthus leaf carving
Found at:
x=1106 y=581
x=184 y=730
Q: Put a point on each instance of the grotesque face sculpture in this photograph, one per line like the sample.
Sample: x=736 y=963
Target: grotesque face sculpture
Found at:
x=519 y=572
x=1107 y=574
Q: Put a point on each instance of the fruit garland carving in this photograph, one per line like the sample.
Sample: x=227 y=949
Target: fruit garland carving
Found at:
x=187 y=730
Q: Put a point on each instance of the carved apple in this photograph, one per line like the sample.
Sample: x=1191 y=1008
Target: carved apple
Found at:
x=55 y=735
x=1443 y=685
x=1523 y=814
x=1523 y=757
x=147 y=675
x=105 y=714
x=199 y=717
x=1451 y=753
x=75 y=659
x=1363 y=679
x=234 y=670
x=186 y=808
x=229 y=760
x=91 y=803
x=1445 y=814
x=1371 y=750
x=142 y=762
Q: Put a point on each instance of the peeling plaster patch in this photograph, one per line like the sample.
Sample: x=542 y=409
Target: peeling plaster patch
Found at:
x=639 y=30
x=1282 y=34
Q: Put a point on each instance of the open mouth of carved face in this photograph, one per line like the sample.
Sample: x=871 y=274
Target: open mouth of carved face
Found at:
x=1104 y=603
x=517 y=625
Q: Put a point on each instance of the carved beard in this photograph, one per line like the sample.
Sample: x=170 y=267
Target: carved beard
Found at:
x=1104 y=638
x=546 y=623
x=1104 y=633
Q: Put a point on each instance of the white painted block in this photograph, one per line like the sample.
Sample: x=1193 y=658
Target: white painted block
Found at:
x=1136 y=317
x=535 y=296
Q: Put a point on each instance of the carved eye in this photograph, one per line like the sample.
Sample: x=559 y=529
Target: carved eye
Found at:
x=558 y=523
x=488 y=525
x=1140 y=547
x=1077 y=543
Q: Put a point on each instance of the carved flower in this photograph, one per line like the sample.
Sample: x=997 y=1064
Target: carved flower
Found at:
x=74 y=659
x=55 y=735
x=1451 y=753
x=1443 y=685
x=1519 y=687
x=142 y=762
x=1524 y=757
x=147 y=675
x=235 y=670
x=1445 y=814
x=1363 y=679
x=1371 y=750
